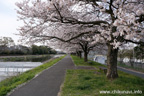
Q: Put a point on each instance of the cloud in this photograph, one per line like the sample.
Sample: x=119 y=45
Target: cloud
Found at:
x=8 y=19
x=9 y=3
x=8 y=26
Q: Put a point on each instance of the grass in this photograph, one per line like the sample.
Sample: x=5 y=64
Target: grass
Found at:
x=88 y=83
x=130 y=67
x=36 y=58
x=8 y=84
x=80 y=62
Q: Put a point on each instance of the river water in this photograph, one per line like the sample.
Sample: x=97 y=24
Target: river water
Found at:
x=8 y=69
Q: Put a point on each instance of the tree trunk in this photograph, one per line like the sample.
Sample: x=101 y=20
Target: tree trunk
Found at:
x=85 y=56
x=80 y=54
x=77 y=53
x=112 y=62
x=131 y=62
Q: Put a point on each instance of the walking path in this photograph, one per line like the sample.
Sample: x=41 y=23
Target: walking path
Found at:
x=48 y=82
x=138 y=74
x=135 y=73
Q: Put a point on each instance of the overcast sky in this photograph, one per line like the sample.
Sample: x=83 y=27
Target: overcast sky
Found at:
x=8 y=19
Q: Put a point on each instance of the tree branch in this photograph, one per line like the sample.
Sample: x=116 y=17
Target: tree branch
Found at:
x=61 y=18
x=74 y=21
x=140 y=42
x=54 y=37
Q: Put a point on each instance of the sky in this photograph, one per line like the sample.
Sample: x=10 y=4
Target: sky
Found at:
x=8 y=20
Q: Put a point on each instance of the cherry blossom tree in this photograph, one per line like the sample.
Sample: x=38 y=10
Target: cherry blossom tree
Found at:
x=113 y=22
x=84 y=44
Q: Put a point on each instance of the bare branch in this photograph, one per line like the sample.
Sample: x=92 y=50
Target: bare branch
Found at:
x=135 y=42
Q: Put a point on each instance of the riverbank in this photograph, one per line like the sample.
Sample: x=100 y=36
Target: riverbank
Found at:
x=11 y=83
x=24 y=58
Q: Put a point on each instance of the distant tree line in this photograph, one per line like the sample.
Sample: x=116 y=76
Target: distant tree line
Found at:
x=42 y=50
x=8 y=47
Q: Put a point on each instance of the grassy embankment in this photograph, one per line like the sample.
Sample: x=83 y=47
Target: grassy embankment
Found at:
x=33 y=58
x=8 y=84
x=88 y=83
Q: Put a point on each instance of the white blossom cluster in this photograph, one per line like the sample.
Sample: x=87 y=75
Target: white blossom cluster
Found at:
x=66 y=19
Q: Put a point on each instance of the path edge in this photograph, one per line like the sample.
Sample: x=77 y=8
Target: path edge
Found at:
x=21 y=85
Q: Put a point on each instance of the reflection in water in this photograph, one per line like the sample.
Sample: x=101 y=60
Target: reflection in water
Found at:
x=8 y=69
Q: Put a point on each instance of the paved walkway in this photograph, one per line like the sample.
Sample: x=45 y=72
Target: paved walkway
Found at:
x=138 y=74
x=132 y=72
x=48 y=82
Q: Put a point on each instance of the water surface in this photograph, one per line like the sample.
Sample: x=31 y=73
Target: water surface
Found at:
x=8 y=69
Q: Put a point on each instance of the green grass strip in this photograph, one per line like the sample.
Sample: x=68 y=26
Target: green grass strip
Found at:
x=89 y=83
x=80 y=62
x=10 y=83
